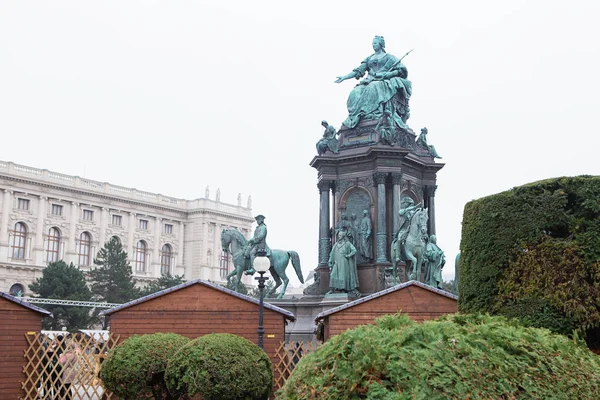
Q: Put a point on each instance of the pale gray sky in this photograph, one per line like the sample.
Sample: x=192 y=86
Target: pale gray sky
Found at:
x=171 y=96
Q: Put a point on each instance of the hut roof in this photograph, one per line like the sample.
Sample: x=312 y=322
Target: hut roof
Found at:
x=25 y=304
x=287 y=314
x=383 y=293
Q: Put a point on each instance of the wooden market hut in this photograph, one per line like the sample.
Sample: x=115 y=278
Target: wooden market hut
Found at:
x=197 y=308
x=17 y=319
x=420 y=301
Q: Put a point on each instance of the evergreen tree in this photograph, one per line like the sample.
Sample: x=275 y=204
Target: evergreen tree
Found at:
x=164 y=282
x=63 y=282
x=112 y=279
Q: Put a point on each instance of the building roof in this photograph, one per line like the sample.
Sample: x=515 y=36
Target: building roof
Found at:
x=25 y=304
x=383 y=293
x=290 y=316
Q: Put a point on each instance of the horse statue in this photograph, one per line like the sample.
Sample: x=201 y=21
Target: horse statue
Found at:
x=234 y=242
x=414 y=246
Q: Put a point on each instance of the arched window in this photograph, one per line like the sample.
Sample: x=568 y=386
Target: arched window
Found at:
x=140 y=256
x=16 y=290
x=19 y=241
x=52 y=245
x=85 y=247
x=165 y=259
x=224 y=264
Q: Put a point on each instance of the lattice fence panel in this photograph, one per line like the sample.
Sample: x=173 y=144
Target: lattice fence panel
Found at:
x=287 y=356
x=74 y=376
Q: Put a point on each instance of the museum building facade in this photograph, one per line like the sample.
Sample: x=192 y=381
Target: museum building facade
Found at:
x=47 y=216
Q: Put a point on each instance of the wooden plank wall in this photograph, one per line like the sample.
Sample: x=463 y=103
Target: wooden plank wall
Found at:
x=420 y=305
x=15 y=322
x=199 y=310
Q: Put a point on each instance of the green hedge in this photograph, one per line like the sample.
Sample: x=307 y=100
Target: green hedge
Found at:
x=454 y=357
x=220 y=366
x=533 y=253
x=135 y=369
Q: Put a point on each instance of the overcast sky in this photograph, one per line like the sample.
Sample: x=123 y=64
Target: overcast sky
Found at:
x=171 y=96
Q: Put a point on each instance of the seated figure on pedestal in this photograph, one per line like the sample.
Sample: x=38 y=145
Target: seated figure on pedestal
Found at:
x=328 y=141
x=386 y=88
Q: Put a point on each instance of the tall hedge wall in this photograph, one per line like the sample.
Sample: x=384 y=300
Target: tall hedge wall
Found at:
x=533 y=253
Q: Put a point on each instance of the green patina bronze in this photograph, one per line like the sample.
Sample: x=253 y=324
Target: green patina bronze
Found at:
x=434 y=262
x=328 y=141
x=386 y=88
x=342 y=261
x=422 y=142
x=244 y=251
x=409 y=243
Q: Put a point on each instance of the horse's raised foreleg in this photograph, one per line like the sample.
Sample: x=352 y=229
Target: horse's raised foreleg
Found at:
x=413 y=261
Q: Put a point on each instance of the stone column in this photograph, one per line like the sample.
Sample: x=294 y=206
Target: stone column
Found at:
x=103 y=223
x=38 y=249
x=156 y=251
x=204 y=244
x=187 y=272
x=324 y=223
x=71 y=246
x=216 y=254
x=4 y=221
x=397 y=182
x=130 y=232
x=380 y=179
x=429 y=193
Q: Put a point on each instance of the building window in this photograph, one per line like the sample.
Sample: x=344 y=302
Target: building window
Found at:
x=168 y=228
x=116 y=220
x=23 y=204
x=52 y=245
x=140 y=256
x=88 y=215
x=165 y=259
x=224 y=264
x=18 y=241
x=85 y=246
x=143 y=224
x=16 y=290
x=57 y=209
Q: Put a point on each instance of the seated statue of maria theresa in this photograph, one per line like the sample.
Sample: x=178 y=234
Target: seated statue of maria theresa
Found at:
x=385 y=89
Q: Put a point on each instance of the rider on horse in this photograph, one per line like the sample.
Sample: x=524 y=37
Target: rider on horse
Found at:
x=258 y=242
x=407 y=210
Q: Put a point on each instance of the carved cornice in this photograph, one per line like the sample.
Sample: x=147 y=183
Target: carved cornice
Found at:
x=380 y=177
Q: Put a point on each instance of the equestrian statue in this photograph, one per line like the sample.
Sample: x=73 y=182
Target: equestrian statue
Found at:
x=244 y=251
x=409 y=242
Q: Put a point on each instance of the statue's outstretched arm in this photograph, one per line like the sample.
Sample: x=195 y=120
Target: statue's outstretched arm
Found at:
x=345 y=77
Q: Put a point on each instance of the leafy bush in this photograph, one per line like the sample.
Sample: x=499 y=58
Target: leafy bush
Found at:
x=220 y=366
x=533 y=253
x=454 y=357
x=135 y=369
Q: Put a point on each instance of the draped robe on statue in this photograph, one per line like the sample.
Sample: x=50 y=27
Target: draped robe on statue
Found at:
x=368 y=99
x=343 y=274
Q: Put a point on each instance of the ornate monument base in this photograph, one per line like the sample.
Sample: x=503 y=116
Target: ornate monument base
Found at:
x=369 y=175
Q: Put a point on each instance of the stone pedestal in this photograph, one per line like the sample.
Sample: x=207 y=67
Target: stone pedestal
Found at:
x=306 y=310
x=369 y=175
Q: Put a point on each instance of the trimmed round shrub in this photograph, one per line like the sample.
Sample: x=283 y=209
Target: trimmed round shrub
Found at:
x=135 y=369
x=220 y=366
x=454 y=357
x=533 y=253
